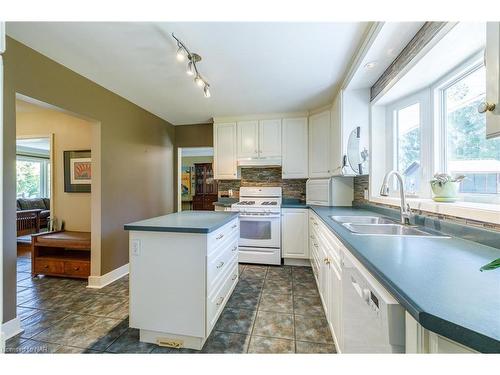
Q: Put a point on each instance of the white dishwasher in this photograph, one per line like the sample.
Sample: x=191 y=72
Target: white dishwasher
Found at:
x=372 y=320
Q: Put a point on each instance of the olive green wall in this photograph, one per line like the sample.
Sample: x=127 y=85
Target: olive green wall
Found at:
x=137 y=154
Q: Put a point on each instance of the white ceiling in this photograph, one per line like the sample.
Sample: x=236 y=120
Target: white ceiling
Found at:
x=461 y=43
x=252 y=68
x=387 y=45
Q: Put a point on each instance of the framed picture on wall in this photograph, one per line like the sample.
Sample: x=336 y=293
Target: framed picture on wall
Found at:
x=77 y=171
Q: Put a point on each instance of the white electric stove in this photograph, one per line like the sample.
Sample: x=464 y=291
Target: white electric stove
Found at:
x=260 y=225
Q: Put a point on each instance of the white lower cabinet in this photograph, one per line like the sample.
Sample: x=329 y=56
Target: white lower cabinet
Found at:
x=325 y=261
x=420 y=340
x=294 y=233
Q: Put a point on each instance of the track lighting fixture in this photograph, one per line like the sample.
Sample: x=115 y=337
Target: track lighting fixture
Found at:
x=183 y=53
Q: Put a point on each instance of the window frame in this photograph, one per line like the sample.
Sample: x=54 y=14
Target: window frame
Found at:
x=438 y=90
x=421 y=97
x=44 y=172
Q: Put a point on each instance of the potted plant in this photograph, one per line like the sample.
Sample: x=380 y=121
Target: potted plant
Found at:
x=445 y=187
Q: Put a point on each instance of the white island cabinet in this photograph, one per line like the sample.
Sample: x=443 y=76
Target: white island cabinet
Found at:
x=183 y=269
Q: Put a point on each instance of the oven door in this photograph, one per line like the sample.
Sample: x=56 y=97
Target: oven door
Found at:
x=260 y=231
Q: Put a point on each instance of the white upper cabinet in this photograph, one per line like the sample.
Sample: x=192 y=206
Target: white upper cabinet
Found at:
x=248 y=139
x=225 y=151
x=294 y=148
x=270 y=138
x=319 y=145
x=492 y=80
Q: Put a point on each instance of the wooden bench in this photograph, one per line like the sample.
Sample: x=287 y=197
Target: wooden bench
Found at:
x=62 y=253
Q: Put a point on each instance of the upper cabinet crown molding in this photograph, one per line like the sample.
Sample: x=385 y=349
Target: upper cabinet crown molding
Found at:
x=264 y=116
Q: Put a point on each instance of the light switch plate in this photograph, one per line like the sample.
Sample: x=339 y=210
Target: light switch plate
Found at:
x=136 y=247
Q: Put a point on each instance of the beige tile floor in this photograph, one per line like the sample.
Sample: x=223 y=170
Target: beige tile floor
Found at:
x=272 y=310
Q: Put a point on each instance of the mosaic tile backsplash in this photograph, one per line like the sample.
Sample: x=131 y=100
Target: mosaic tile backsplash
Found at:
x=362 y=182
x=295 y=188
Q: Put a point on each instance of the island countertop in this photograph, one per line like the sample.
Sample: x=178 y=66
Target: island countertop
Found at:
x=184 y=222
x=437 y=280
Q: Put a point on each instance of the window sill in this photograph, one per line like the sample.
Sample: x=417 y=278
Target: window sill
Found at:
x=489 y=213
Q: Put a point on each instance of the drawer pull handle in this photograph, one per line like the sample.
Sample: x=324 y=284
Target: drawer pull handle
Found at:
x=76 y=268
x=234 y=248
x=327 y=261
x=234 y=277
x=220 y=300
x=316 y=224
x=220 y=265
x=219 y=236
x=46 y=266
x=234 y=226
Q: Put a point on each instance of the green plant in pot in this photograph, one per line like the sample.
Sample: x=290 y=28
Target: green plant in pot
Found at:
x=445 y=187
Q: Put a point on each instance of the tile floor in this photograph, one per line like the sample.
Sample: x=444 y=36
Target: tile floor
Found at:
x=272 y=310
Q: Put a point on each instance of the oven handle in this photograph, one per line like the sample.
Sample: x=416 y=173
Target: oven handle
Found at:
x=273 y=216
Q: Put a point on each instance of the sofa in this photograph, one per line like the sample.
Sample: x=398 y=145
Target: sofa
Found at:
x=42 y=204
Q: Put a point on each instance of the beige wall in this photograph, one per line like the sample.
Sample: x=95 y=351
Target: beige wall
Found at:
x=69 y=133
x=136 y=155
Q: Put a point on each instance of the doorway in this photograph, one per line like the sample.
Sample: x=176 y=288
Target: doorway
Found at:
x=34 y=187
x=197 y=188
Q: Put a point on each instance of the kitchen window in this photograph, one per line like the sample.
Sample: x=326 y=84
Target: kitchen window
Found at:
x=465 y=149
x=409 y=121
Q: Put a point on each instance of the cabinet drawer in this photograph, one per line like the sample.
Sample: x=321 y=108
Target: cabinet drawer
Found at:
x=217 y=301
x=218 y=265
x=219 y=236
x=49 y=266
x=77 y=268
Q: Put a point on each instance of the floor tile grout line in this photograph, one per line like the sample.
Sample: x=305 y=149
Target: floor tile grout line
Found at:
x=257 y=311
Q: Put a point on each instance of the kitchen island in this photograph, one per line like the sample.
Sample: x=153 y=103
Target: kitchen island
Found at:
x=183 y=269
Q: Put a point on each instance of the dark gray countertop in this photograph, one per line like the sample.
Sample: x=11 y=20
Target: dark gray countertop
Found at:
x=185 y=222
x=293 y=203
x=437 y=280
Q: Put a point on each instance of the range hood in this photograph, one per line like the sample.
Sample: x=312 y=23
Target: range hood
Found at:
x=259 y=162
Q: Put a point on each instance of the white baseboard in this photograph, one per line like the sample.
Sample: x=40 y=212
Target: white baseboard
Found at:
x=98 y=282
x=11 y=328
x=296 y=262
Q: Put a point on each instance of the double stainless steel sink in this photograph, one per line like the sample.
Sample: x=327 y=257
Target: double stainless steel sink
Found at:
x=382 y=226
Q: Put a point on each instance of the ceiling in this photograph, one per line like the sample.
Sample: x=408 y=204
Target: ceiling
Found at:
x=387 y=45
x=253 y=68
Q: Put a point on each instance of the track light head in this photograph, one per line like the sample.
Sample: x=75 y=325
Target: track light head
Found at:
x=190 y=69
x=199 y=81
x=181 y=54
x=206 y=90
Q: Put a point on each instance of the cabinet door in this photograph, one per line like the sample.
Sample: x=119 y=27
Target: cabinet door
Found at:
x=248 y=139
x=294 y=148
x=323 y=278
x=493 y=78
x=334 y=300
x=270 y=138
x=294 y=229
x=225 y=151
x=319 y=145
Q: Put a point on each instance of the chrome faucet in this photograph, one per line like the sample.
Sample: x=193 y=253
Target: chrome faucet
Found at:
x=384 y=191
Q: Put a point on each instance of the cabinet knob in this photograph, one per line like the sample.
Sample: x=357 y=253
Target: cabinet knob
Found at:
x=234 y=248
x=76 y=268
x=46 y=266
x=234 y=226
x=219 y=301
x=486 y=107
x=234 y=277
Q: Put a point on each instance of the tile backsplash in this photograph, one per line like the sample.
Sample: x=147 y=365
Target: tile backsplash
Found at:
x=295 y=188
x=362 y=182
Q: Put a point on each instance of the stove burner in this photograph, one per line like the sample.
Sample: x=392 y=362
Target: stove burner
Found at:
x=246 y=203
x=269 y=203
